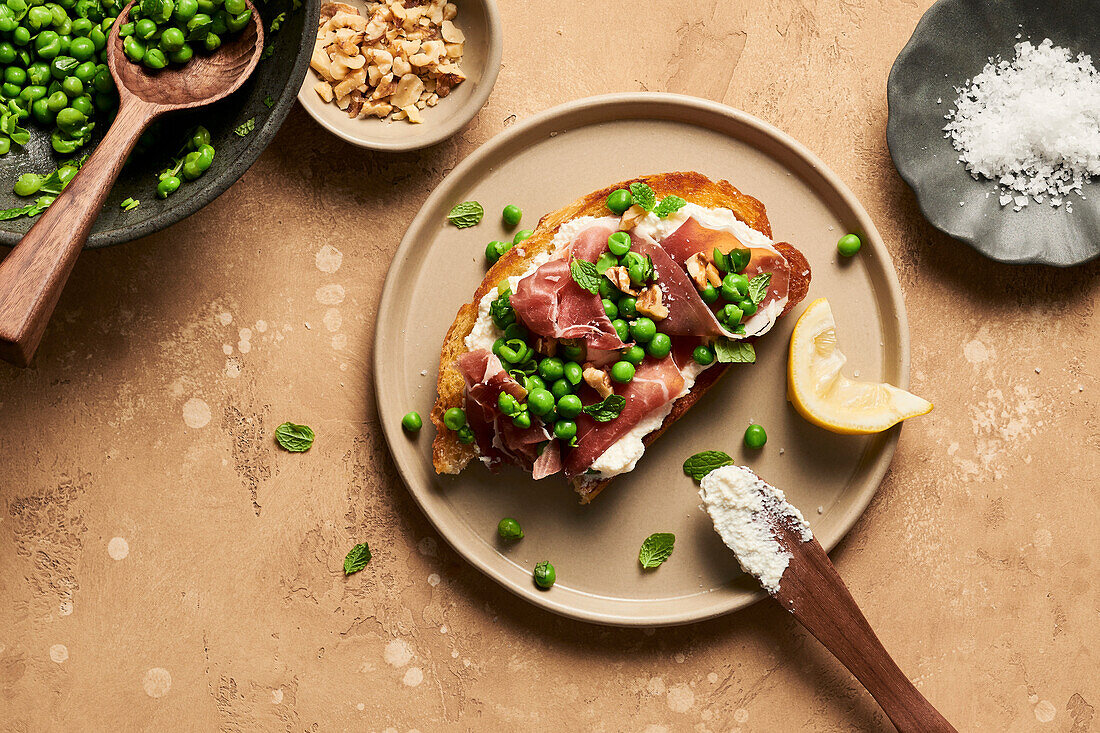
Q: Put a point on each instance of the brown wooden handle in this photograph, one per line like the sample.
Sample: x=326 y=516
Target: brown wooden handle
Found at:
x=813 y=592
x=34 y=273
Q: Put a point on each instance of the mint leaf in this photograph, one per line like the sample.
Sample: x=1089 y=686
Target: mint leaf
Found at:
x=700 y=464
x=656 y=549
x=276 y=23
x=266 y=53
x=357 y=558
x=734 y=352
x=586 y=275
x=294 y=438
x=607 y=410
x=269 y=102
x=466 y=214
x=669 y=205
x=248 y=126
x=643 y=196
x=758 y=287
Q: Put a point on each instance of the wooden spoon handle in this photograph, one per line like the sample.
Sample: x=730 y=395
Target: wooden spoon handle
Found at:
x=34 y=273
x=813 y=592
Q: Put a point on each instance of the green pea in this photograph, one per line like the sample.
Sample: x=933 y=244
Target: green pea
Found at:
x=551 y=368
x=172 y=40
x=82 y=27
x=619 y=243
x=41 y=113
x=610 y=308
x=495 y=250
x=62 y=67
x=709 y=294
x=18 y=6
x=569 y=406
x=47 y=45
x=155 y=59
x=747 y=306
x=5 y=144
x=633 y=354
x=84 y=104
x=72 y=86
x=67 y=173
x=39 y=17
x=622 y=329
x=57 y=101
x=7 y=53
x=85 y=71
x=573 y=373
x=606 y=261
x=639 y=269
x=32 y=93
x=739 y=259
x=82 y=49
x=466 y=435
x=730 y=315
x=237 y=23
x=57 y=14
x=98 y=39
x=167 y=186
x=628 y=307
x=10 y=91
x=211 y=42
x=734 y=287
x=126 y=30
x=133 y=48
x=509 y=529
x=454 y=418
x=622 y=371
x=755 y=436
x=531 y=382
x=522 y=420
x=544 y=574
x=849 y=245
x=181 y=56
x=412 y=422
x=565 y=430
x=64 y=145
x=28 y=184
x=560 y=388
x=643 y=330
x=507 y=404
x=191 y=172
x=521 y=235
x=511 y=214
x=21 y=36
x=619 y=201
x=207 y=6
x=573 y=352
x=39 y=73
x=540 y=401
x=105 y=102
x=721 y=261
x=660 y=346
x=70 y=120
x=220 y=23
x=703 y=355
x=9 y=24
x=15 y=75
x=184 y=11
x=145 y=29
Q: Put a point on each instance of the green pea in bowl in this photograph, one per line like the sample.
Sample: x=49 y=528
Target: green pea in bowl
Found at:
x=56 y=47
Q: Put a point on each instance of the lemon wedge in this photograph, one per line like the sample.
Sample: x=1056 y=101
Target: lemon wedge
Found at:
x=827 y=398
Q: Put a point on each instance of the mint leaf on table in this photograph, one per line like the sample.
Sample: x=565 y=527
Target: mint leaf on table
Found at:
x=669 y=205
x=734 y=352
x=656 y=549
x=294 y=438
x=758 y=287
x=276 y=23
x=269 y=102
x=586 y=275
x=643 y=196
x=357 y=558
x=266 y=53
x=607 y=410
x=466 y=214
x=248 y=126
x=700 y=464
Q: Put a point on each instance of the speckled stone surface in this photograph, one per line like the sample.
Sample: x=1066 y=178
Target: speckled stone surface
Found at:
x=164 y=566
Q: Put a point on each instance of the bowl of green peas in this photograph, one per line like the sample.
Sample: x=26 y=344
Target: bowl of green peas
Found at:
x=57 y=99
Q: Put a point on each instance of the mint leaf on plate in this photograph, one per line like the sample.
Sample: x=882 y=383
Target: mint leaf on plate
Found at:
x=656 y=549
x=466 y=214
x=294 y=438
x=700 y=464
x=758 y=287
x=357 y=558
x=669 y=205
x=734 y=352
x=606 y=410
x=586 y=275
x=643 y=196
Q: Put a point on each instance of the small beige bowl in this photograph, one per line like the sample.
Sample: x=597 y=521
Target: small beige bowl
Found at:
x=480 y=21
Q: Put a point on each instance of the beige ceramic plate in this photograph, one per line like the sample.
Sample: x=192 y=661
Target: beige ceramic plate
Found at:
x=480 y=21
x=540 y=165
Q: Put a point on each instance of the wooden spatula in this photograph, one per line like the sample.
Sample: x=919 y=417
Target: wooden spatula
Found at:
x=811 y=590
x=34 y=273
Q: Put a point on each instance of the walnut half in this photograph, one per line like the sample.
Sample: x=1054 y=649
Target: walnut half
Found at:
x=650 y=304
x=598 y=380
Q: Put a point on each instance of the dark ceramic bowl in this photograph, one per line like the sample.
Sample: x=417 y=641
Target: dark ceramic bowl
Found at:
x=276 y=79
x=952 y=43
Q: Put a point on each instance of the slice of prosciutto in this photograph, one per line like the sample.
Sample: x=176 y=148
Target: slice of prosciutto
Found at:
x=656 y=383
x=691 y=237
x=688 y=315
x=498 y=439
x=551 y=304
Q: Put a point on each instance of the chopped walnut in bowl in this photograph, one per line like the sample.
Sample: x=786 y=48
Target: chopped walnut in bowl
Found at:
x=393 y=61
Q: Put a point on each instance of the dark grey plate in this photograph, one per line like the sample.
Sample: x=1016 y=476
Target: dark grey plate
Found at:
x=278 y=77
x=951 y=44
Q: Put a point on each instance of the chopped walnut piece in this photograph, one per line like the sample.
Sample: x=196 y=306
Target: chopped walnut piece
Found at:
x=547 y=346
x=697 y=269
x=451 y=33
x=620 y=278
x=324 y=90
x=631 y=217
x=713 y=276
x=408 y=91
x=598 y=380
x=650 y=304
x=356 y=105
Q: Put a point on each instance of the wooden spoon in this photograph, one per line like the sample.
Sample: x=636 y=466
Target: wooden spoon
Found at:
x=33 y=274
x=811 y=590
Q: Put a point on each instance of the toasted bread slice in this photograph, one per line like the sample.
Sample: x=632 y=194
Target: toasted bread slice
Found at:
x=448 y=455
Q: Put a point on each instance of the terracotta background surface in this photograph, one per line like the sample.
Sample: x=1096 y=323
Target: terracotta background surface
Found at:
x=163 y=566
